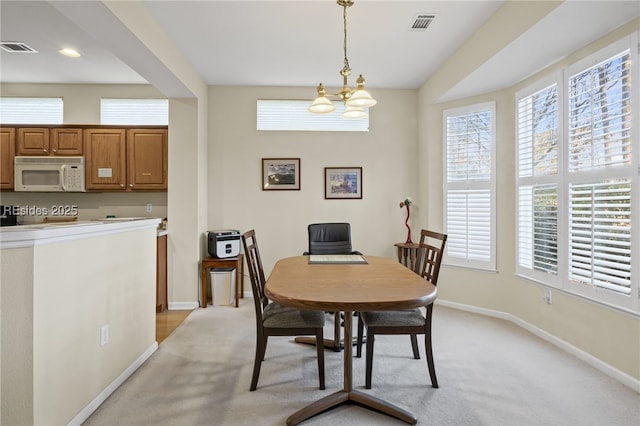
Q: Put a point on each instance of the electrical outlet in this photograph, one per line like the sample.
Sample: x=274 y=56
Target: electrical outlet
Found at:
x=104 y=334
x=149 y=208
x=547 y=295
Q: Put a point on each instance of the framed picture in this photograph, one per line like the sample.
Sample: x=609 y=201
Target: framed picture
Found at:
x=343 y=183
x=280 y=174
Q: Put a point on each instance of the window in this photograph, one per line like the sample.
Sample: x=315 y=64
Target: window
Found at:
x=538 y=181
x=469 y=135
x=31 y=110
x=152 y=112
x=578 y=186
x=293 y=115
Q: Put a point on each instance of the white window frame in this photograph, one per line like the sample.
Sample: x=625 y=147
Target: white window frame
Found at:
x=27 y=110
x=469 y=187
x=566 y=178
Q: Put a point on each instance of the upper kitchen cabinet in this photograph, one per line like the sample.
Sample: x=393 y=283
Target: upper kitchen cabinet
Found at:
x=7 y=153
x=49 y=141
x=147 y=159
x=66 y=141
x=126 y=159
x=105 y=159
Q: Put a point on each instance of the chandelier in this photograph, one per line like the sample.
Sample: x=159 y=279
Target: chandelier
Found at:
x=355 y=100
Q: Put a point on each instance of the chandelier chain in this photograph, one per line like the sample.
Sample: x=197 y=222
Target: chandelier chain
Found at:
x=346 y=68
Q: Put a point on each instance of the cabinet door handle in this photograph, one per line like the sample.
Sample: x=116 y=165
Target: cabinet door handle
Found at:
x=130 y=185
x=55 y=150
x=122 y=185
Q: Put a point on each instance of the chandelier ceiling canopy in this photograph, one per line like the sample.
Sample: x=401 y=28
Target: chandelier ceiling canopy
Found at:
x=355 y=100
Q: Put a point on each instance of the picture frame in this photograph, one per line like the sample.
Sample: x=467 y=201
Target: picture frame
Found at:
x=280 y=174
x=343 y=183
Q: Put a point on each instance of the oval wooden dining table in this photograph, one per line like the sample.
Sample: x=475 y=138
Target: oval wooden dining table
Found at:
x=378 y=284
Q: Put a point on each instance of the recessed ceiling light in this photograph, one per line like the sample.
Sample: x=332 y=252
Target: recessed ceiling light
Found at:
x=72 y=53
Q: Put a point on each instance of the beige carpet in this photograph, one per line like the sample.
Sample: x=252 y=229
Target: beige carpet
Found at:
x=490 y=372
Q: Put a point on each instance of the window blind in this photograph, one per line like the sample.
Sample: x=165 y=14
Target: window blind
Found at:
x=600 y=234
x=292 y=115
x=153 y=112
x=538 y=133
x=600 y=115
x=469 y=224
x=31 y=110
x=469 y=147
x=538 y=228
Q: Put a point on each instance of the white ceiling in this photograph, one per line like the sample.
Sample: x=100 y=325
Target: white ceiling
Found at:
x=300 y=43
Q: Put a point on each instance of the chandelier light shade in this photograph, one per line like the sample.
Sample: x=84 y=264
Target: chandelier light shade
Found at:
x=355 y=100
x=322 y=104
x=354 y=113
x=360 y=97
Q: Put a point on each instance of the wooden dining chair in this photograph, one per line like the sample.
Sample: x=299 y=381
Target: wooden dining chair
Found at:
x=273 y=319
x=411 y=321
x=331 y=238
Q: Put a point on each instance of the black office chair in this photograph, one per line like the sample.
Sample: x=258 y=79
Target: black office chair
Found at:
x=330 y=238
x=410 y=321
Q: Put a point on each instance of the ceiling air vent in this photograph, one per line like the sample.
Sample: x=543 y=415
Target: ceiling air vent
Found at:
x=421 y=22
x=16 y=47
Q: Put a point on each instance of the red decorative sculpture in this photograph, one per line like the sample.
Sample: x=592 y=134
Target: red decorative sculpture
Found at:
x=407 y=203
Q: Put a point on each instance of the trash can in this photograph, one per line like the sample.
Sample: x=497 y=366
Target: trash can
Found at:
x=222 y=284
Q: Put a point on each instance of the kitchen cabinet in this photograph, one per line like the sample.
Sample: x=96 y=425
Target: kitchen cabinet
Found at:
x=105 y=159
x=66 y=141
x=49 y=141
x=147 y=159
x=126 y=159
x=7 y=154
x=161 y=274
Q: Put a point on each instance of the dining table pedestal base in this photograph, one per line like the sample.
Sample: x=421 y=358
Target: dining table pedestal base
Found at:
x=347 y=394
x=355 y=397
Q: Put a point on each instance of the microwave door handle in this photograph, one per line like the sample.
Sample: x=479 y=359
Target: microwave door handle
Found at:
x=63 y=171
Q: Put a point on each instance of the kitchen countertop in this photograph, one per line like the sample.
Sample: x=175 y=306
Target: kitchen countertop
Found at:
x=27 y=235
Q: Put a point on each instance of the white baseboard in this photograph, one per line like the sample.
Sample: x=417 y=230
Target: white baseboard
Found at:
x=596 y=363
x=102 y=396
x=178 y=306
x=182 y=306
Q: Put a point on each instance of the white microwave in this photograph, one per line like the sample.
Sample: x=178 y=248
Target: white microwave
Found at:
x=49 y=174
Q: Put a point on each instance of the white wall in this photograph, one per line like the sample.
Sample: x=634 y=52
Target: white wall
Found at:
x=185 y=224
x=386 y=154
x=56 y=296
